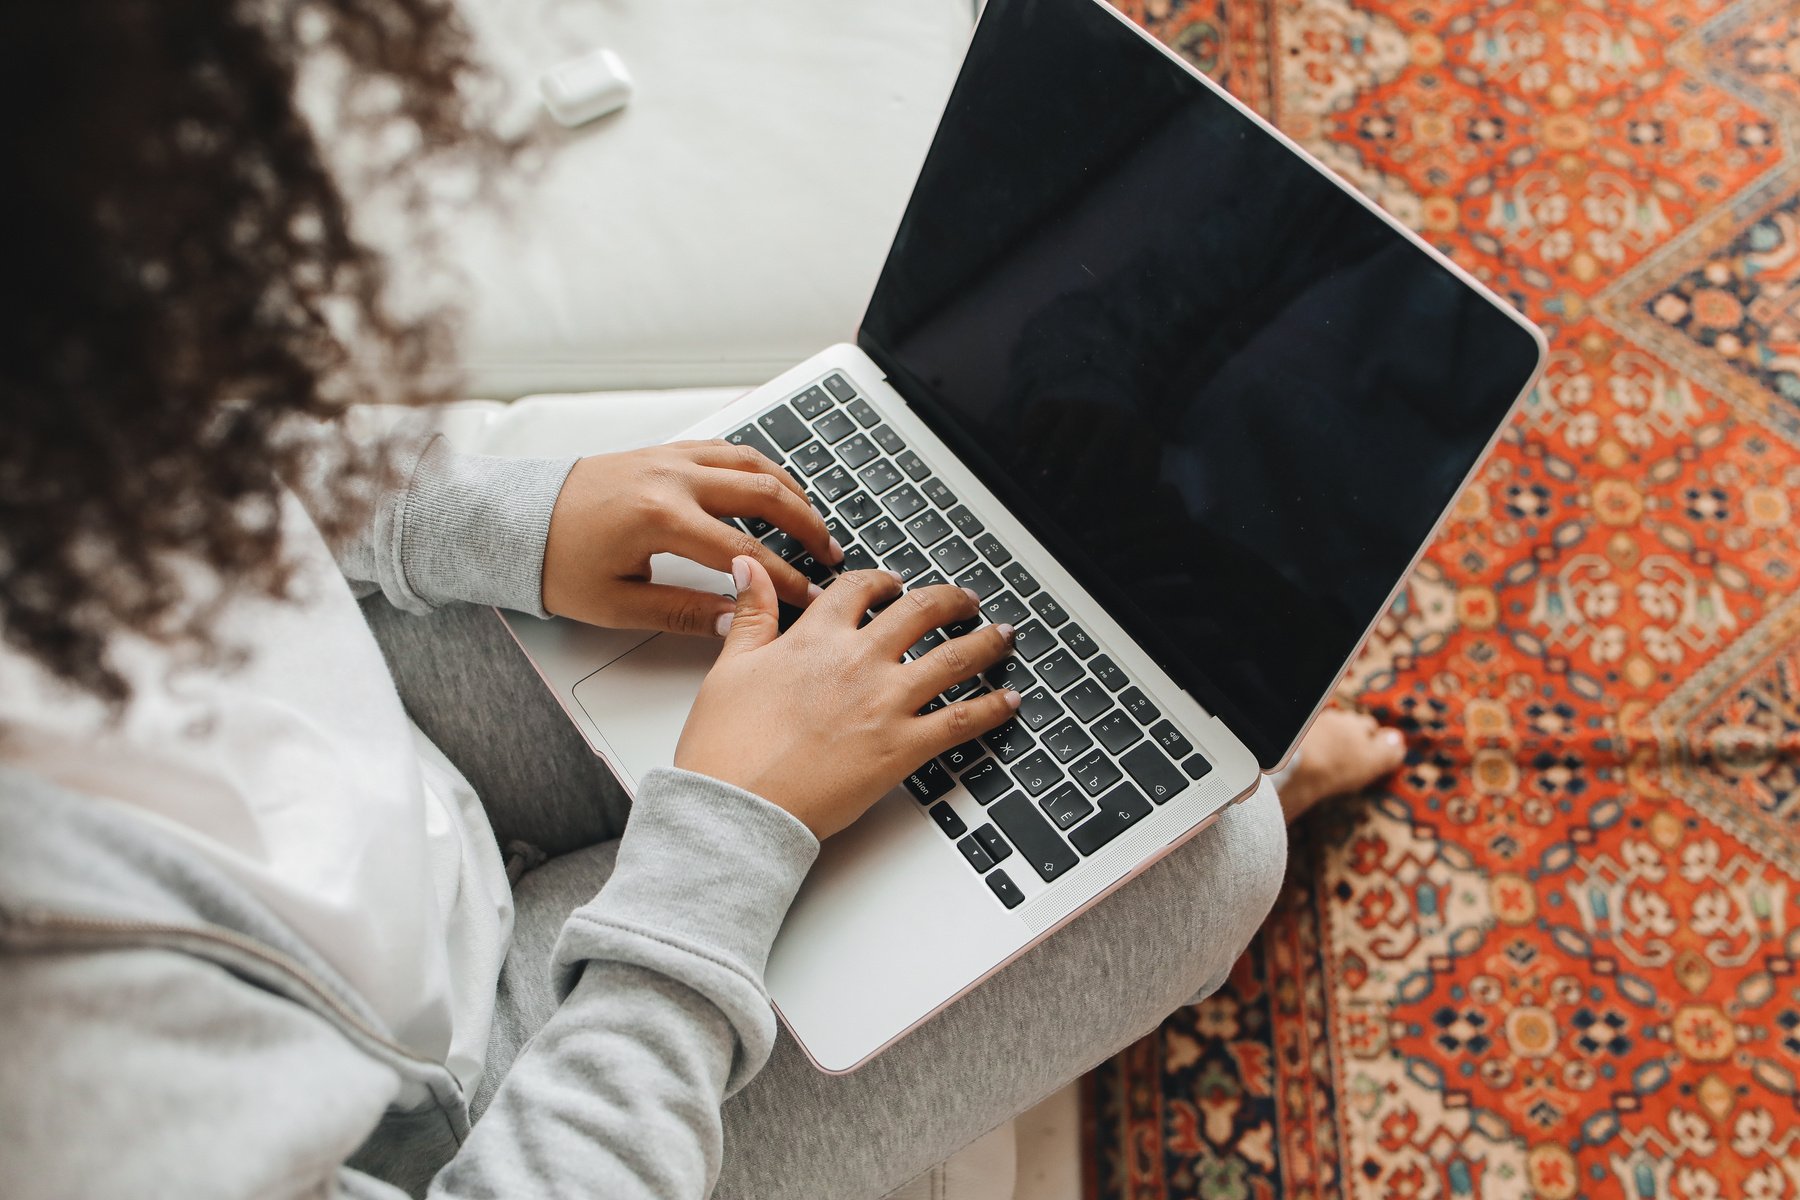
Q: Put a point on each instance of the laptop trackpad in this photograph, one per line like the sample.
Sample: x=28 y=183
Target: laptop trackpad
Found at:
x=639 y=701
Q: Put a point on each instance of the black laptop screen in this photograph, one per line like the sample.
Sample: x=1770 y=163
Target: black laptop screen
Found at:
x=1227 y=396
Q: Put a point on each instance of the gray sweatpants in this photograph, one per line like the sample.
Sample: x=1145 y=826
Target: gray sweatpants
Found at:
x=1094 y=987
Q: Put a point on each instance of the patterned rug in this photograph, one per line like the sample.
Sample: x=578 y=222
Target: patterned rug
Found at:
x=1557 y=956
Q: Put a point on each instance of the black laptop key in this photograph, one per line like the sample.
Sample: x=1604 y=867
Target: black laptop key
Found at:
x=965 y=521
x=1086 y=700
x=1009 y=740
x=985 y=780
x=929 y=782
x=812 y=402
x=879 y=476
x=758 y=527
x=1037 y=772
x=1076 y=639
x=1046 y=607
x=928 y=579
x=1067 y=740
x=963 y=689
x=1196 y=766
x=980 y=859
x=1065 y=805
x=931 y=706
x=1095 y=773
x=938 y=494
x=1139 y=706
x=907 y=563
x=928 y=529
x=882 y=536
x=1116 y=731
x=1107 y=672
x=834 y=427
x=1059 y=670
x=786 y=546
x=1031 y=641
x=1005 y=889
x=1037 y=708
x=998 y=848
x=858 y=559
x=814 y=570
x=834 y=484
x=752 y=437
x=887 y=439
x=948 y=821
x=1010 y=673
x=980 y=580
x=1004 y=608
x=992 y=550
x=1038 y=842
x=812 y=458
x=1118 y=811
x=925 y=645
x=1154 y=773
x=913 y=465
x=784 y=428
x=856 y=451
x=859 y=509
x=1019 y=578
x=903 y=502
x=953 y=555
x=864 y=413
x=1171 y=739
x=963 y=628
x=840 y=387
x=958 y=758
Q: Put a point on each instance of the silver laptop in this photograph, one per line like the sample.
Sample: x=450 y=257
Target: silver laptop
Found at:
x=1180 y=406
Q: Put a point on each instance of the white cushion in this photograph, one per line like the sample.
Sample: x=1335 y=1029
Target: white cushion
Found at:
x=728 y=223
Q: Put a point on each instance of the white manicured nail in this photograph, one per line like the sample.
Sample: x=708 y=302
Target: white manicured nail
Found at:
x=723 y=625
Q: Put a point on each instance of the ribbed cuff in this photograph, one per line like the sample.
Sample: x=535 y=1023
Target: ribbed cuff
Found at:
x=704 y=877
x=473 y=527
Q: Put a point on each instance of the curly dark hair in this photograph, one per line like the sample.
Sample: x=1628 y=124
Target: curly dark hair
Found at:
x=182 y=287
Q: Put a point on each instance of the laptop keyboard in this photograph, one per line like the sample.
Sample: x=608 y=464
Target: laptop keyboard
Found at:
x=1087 y=755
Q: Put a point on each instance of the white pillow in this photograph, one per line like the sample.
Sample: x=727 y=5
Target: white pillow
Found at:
x=732 y=220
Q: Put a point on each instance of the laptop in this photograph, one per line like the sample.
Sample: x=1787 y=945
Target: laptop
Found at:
x=1179 y=405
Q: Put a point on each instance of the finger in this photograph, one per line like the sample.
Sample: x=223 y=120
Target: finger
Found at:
x=728 y=456
x=754 y=621
x=853 y=594
x=714 y=544
x=958 y=659
x=918 y=612
x=752 y=494
x=668 y=609
x=954 y=724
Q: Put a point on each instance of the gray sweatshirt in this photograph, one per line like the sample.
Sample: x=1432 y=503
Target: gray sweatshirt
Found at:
x=164 y=1033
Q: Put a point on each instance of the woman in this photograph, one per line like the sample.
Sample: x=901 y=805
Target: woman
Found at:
x=257 y=932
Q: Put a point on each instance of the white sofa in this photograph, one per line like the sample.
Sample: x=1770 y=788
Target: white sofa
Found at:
x=728 y=223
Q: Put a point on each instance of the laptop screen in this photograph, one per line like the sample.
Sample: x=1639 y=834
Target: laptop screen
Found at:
x=1230 y=399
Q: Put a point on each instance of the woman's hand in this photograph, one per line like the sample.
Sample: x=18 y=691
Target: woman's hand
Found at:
x=616 y=510
x=823 y=720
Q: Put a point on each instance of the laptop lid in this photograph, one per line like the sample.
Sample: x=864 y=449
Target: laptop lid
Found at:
x=1231 y=397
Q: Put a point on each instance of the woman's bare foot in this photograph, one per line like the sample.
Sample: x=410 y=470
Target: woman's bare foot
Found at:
x=1343 y=752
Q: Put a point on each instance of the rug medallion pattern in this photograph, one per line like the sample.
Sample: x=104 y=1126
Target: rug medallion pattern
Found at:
x=1556 y=956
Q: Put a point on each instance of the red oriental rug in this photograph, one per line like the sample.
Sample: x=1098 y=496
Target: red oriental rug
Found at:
x=1557 y=956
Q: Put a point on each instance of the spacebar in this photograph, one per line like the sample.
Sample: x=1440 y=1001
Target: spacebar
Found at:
x=1121 y=808
x=1047 y=853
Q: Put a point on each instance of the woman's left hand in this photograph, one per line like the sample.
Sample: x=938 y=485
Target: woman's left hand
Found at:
x=616 y=510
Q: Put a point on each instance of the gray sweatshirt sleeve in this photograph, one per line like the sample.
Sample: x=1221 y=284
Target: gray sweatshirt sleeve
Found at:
x=664 y=1012
x=457 y=527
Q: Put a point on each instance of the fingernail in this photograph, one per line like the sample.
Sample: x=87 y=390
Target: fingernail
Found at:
x=1013 y=699
x=740 y=571
x=1005 y=631
x=972 y=594
x=1393 y=737
x=895 y=576
x=723 y=625
x=837 y=551
x=814 y=591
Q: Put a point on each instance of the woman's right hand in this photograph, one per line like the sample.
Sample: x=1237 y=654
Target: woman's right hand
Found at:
x=825 y=720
